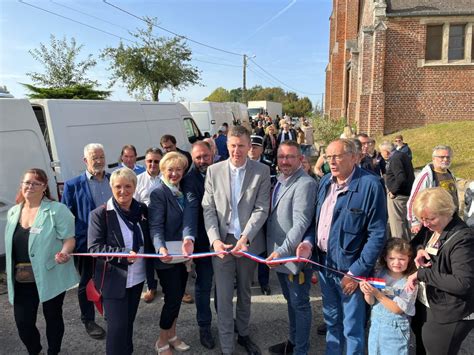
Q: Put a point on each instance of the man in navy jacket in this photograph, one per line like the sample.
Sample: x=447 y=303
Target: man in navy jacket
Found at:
x=81 y=195
x=351 y=218
x=193 y=226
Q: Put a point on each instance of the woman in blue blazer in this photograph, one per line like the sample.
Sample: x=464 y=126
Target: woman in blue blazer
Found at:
x=38 y=239
x=166 y=207
x=121 y=225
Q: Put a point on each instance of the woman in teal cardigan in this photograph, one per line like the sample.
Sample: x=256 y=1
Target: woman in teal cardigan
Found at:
x=38 y=239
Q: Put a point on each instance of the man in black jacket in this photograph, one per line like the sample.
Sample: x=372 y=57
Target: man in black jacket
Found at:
x=193 y=226
x=399 y=178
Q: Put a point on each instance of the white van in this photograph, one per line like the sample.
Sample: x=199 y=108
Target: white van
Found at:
x=209 y=116
x=240 y=114
x=57 y=135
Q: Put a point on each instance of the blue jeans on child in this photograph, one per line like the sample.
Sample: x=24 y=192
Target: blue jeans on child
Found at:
x=389 y=332
x=299 y=309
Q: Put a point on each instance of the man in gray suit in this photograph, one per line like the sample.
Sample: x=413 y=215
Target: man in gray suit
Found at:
x=292 y=212
x=236 y=204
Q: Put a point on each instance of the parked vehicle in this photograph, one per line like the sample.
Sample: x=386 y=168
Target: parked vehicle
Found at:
x=240 y=114
x=269 y=108
x=209 y=116
x=51 y=135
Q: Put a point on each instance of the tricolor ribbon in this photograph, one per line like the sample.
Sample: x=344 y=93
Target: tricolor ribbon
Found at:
x=375 y=282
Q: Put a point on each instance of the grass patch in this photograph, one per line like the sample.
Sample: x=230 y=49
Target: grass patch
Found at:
x=458 y=135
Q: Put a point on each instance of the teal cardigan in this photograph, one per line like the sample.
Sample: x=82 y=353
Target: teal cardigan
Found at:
x=53 y=223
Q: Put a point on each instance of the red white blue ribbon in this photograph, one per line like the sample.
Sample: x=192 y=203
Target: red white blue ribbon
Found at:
x=375 y=282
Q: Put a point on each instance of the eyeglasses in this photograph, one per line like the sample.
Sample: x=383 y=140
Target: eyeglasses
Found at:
x=447 y=157
x=149 y=161
x=32 y=184
x=337 y=157
x=287 y=157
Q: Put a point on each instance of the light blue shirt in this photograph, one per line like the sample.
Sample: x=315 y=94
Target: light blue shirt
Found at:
x=236 y=179
x=100 y=190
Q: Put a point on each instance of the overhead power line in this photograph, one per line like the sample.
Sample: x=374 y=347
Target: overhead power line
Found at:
x=169 y=31
x=70 y=19
x=89 y=15
x=281 y=82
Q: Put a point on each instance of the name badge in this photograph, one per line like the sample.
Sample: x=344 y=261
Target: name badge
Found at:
x=36 y=230
x=432 y=250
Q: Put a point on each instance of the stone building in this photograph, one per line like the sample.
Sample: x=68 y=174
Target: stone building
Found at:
x=396 y=64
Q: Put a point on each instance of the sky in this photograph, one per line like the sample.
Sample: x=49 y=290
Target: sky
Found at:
x=287 y=40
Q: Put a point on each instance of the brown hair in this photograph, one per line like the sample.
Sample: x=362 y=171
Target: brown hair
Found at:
x=400 y=246
x=41 y=176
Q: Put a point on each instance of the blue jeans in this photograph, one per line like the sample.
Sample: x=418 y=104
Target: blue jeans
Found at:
x=389 y=334
x=299 y=309
x=344 y=316
x=202 y=291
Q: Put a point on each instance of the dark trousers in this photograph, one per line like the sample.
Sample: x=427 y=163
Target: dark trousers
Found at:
x=444 y=339
x=85 y=268
x=417 y=322
x=263 y=272
x=202 y=291
x=25 y=309
x=173 y=283
x=151 y=282
x=120 y=317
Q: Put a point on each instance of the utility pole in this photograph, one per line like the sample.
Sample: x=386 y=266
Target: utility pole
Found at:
x=244 y=88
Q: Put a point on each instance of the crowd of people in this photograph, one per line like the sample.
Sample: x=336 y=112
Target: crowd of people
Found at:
x=358 y=213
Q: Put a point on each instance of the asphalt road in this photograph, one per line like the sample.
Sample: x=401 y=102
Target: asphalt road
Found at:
x=268 y=325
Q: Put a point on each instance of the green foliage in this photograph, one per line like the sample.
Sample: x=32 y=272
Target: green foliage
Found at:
x=219 y=95
x=292 y=104
x=152 y=63
x=85 y=92
x=326 y=129
x=62 y=67
x=457 y=134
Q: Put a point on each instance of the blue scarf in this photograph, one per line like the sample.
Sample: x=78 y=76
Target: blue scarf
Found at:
x=131 y=219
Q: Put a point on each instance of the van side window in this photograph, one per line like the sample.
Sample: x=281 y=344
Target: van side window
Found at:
x=39 y=113
x=192 y=131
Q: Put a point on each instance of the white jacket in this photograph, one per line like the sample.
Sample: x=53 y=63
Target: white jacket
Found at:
x=425 y=179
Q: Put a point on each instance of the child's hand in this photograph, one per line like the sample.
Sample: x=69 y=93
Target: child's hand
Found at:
x=411 y=282
x=368 y=289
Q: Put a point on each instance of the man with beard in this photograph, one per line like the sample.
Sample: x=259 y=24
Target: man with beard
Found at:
x=81 y=195
x=193 y=226
x=434 y=174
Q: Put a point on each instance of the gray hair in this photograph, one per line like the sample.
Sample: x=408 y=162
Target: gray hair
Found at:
x=91 y=147
x=442 y=147
x=387 y=146
x=126 y=173
x=349 y=145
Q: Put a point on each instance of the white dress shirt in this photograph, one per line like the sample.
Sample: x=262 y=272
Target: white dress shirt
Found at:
x=236 y=179
x=145 y=185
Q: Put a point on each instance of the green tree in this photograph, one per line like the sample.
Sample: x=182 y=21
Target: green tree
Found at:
x=219 y=95
x=152 y=63
x=86 y=92
x=62 y=66
x=326 y=129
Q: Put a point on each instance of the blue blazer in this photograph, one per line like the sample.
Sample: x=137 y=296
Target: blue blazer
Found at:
x=166 y=219
x=193 y=219
x=77 y=197
x=105 y=235
x=357 y=233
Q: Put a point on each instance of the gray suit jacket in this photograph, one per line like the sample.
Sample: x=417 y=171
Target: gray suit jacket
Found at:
x=291 y=216
x=253 y=204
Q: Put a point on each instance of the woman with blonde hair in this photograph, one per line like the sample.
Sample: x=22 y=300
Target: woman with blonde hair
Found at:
x=270 y=145
x=121 y=225
x=445 y=261
x=166 y=210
